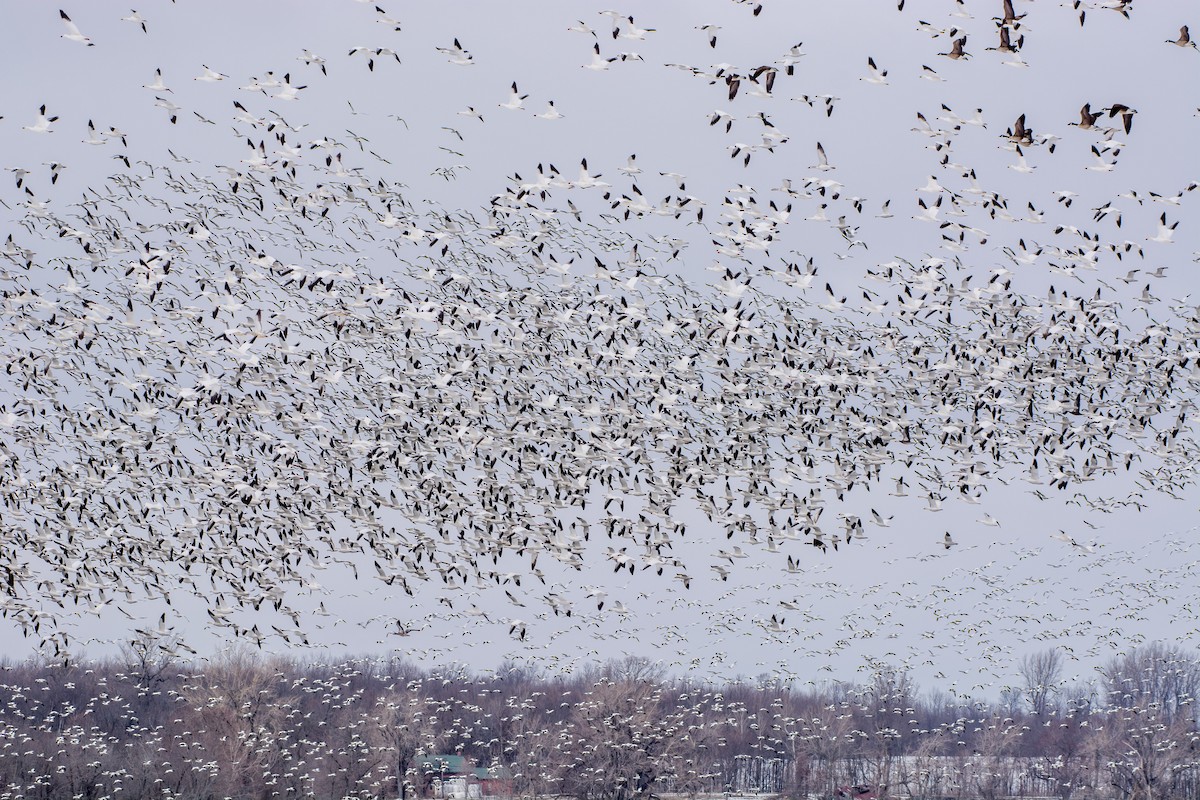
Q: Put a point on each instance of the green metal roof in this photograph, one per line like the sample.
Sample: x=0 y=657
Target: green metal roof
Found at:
x=449 y=764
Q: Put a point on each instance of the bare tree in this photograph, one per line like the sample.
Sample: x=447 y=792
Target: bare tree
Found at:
x=826 y=740
x=236 y=702
x=926 y=772
x=883 y=708
x=619 y=735
x=1146 y=753
x=254 y=729
x=993 y=766
x=1163 y=677
x=1042 y=673
x=397 y=722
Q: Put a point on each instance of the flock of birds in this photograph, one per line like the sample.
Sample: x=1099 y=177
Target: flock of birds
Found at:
x=362 y=727
x=221 y=378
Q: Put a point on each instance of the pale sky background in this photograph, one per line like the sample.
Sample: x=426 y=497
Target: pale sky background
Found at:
x=960 y=618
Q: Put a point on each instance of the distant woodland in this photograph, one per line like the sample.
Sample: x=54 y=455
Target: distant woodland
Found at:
x=144 y=725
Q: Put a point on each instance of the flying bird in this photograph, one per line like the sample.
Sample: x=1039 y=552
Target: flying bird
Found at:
x=43 y=122
x=73 y=34
x=457 y=55
x=1184 y=40
x=136 y=19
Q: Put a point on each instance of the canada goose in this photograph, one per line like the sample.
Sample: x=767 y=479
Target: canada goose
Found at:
x=1087 y=118
x=769 y=81
x=1019 y=134
x=1006 y=45
x=957 y=51
x=1126 y=114
x=1010 y=19
x=1184 y=40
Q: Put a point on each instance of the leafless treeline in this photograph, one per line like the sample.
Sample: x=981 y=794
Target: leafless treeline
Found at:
x=144 y=726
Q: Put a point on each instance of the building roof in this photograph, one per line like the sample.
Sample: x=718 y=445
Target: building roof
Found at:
x=446 y=764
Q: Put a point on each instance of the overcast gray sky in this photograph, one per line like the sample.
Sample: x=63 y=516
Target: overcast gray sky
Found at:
x=962 y=616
